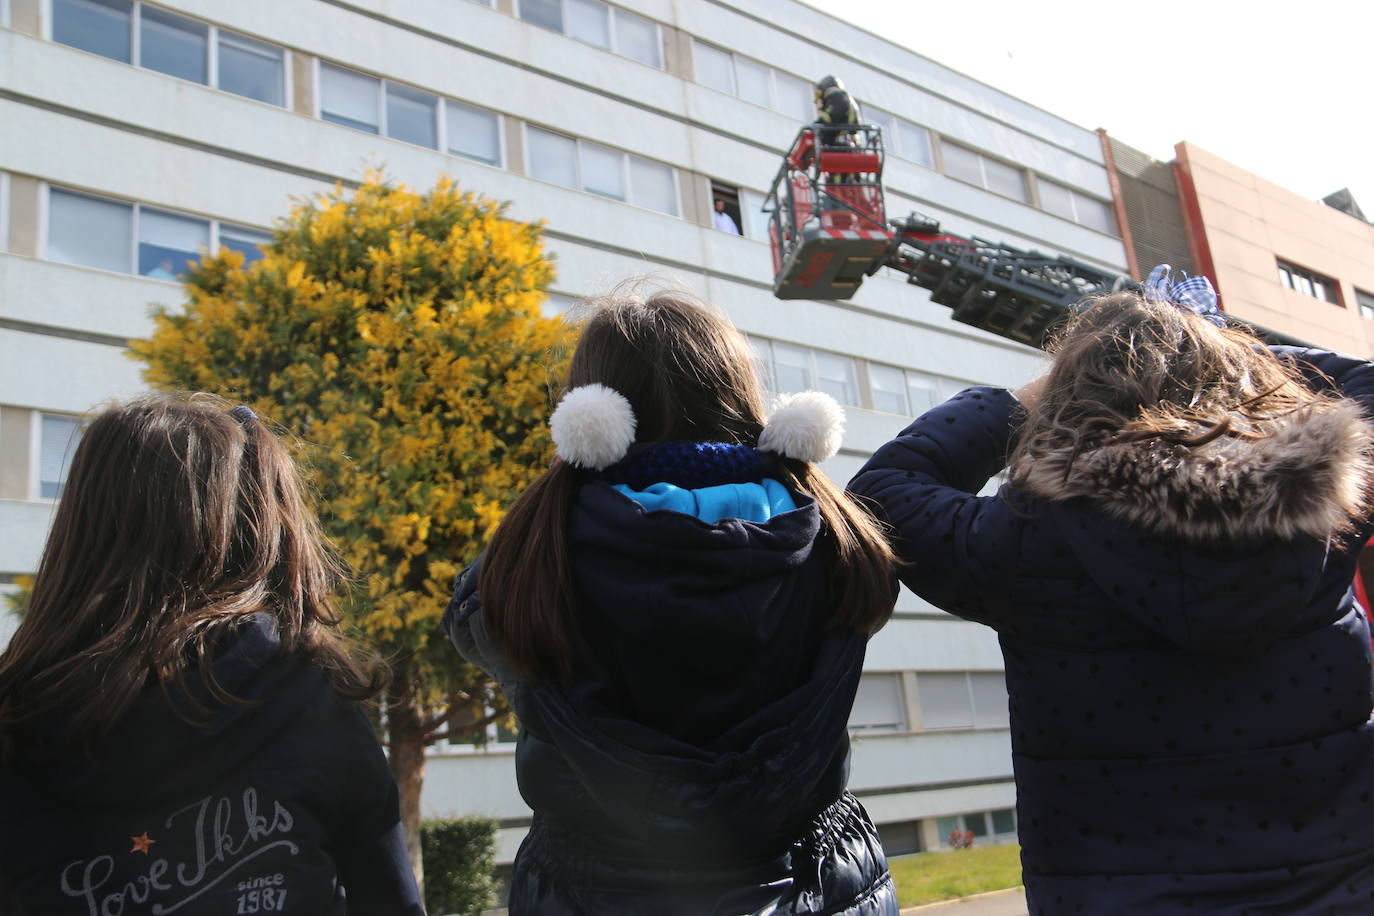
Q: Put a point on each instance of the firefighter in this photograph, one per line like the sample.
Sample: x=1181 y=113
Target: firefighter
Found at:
x=834 y=105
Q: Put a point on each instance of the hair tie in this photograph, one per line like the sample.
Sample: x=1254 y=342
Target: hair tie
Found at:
x=593 y=427
x=806 y=426
x=243 y=413
x=1194 y=294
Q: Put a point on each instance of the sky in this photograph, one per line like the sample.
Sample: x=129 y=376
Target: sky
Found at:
x=1279 y=89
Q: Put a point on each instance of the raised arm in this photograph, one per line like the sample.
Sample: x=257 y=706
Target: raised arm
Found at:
x=957 y=545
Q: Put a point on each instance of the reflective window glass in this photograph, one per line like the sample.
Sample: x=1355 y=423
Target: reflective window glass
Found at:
x=1095 y=214
x=1004 y=821
x=247 y=242
x=58 y=439
x=835 y=376
x=103 y=27
x=552 y=157
x=548 y=13
x=915 y=143
x=89 y=231
x=753 y=82
x=989 y=699
x=350 y=98
x=923 y=391
x=1004 y=179
x=791 y=368
x=411 y=115
x=1056 y=199
x=637 y=37
x=653 y=185
x=603 y=171
x=589 y=21
x=976 y=824
x=251 y=68
x=473 y=133
x=169 y=242
x=714 y=67
x=755 y=220
x=878 y=704
x=889 y=388
x=963 y=164
x=794 y=97
x=173 y=44
x=945 y=700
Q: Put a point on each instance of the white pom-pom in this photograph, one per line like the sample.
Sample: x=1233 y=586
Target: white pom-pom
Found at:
x=806 y=426
x=593 y=427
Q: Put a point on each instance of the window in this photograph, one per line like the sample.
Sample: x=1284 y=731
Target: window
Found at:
x=754 y=82
x=94 y=232
x=901 y=137
x=975 y=168
x=168 y=243
x=173 y=44
x=1366 y=302
x=251 y=68
x=176 y=45
x=901 y=838
x=412 y=116
x=57 y=440
x=962 y=699
x=1309 y=283
x=89 y=231
x=907 y=392
x=102 y=27
x=247 y=242
x=1076 y=206
x=601 y=170
x=787 y=367
x=598 y=24
x=725 y=200
x=351 y=99
x=473 y=133
x=878 y=704
x=755 y=225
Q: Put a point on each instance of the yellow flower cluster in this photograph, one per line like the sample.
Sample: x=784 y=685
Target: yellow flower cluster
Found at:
x=400 y=335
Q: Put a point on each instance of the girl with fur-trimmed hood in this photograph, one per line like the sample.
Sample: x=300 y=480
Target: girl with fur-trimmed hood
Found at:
x=1169 y=572
x=678 y=612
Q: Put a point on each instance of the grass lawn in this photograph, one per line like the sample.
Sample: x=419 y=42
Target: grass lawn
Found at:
x=930 y=876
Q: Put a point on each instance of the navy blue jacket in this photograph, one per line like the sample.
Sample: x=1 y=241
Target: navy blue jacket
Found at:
x=281 y=805
x=1189 y=677
x=697 y=763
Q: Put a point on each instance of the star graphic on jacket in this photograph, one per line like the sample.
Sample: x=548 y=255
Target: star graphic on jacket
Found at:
x=142 y=843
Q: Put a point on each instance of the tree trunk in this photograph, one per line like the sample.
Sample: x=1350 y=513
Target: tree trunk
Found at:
x=406 y=741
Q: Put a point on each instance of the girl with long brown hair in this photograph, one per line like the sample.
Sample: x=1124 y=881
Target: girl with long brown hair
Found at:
x=179 y=718
x=678 y=611
x=1168 y=570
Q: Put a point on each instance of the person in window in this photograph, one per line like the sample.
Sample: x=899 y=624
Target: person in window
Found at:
x=165 y=270
x=724 y=221
x=1168 y=571
x=678 y=610
x=180 y=726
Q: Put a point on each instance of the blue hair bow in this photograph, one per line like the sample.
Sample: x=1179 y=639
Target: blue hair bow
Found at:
x=1192 y=293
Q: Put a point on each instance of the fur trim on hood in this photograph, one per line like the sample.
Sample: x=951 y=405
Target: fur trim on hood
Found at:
x=1311 y=476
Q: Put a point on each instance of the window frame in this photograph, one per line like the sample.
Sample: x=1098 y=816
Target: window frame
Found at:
x=581 y=186
x=1312 y=277
x=984 y=158
x=612 y=30
x=36 y=453
x=214 y=225
x=774 y=100
x=1364 y=301
x=769 y=373
x=212 y=34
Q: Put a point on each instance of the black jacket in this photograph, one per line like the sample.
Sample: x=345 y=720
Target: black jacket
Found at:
x=1189 y=677
x=697 y=763
x=284 y=805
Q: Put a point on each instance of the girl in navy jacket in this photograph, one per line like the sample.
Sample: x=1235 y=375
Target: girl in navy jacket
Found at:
x=179 y=719
x=1168 y=570
x=678 y=611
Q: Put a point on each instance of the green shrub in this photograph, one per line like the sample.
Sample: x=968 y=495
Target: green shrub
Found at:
x=460 y=855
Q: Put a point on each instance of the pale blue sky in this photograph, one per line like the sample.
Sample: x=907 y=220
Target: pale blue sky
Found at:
x=1280 y=89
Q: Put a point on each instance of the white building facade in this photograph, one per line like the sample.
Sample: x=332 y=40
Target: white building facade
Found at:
x=134 y=135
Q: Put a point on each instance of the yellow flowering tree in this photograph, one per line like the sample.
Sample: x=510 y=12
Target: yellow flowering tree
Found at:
x=400 y=335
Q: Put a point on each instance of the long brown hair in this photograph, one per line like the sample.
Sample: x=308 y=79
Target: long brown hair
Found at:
x=1128 y=368
x=179 y=521
x=689 y=377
